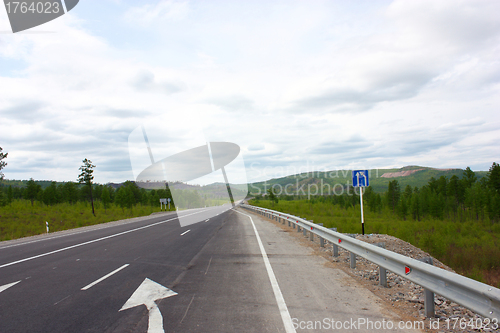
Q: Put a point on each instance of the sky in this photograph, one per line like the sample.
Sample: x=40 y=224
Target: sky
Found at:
x=298 y=85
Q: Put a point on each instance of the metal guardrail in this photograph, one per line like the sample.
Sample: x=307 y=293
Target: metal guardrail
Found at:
x=481 y=298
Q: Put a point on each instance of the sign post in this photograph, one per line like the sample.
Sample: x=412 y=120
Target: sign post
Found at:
x=163 y=201
x=360 y=179
x=168 y=200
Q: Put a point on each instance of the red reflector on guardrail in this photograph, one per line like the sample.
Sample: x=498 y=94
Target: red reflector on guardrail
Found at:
x=407 y=270
x=312 y=228
x=340 y=241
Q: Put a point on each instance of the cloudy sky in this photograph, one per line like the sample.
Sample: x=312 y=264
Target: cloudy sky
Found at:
x=298 y=85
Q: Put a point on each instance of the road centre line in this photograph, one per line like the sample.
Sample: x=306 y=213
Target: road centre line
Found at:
x=104 y=277
x=185 y=232
x=285 y=315
x=91 y=241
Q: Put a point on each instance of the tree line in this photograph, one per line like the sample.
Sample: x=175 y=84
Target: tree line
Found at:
x=453 y=198
x=126 y=196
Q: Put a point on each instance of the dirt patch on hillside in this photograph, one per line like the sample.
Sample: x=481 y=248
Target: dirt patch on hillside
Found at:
x=399 y=173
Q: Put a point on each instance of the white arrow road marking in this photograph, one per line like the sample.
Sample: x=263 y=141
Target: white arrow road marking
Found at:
x=147 y=293
x=7 y=286
x=104 y=277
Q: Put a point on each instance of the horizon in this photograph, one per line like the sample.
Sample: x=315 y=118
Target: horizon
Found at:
x=260 y=181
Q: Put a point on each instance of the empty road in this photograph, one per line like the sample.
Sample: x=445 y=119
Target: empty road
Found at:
x=230 y=272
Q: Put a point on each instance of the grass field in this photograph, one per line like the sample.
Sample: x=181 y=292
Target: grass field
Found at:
x=471 y=248
x=21 y=219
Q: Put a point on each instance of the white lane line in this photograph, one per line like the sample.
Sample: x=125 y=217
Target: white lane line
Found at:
x=187 y=309
x=185 y=232
x=207 y=220
x=96 y=227
x=78 y=231
x=208 y=266
x=104 y=277
x=285 y=315
x=7 y=286
x=62 y=300
x=90 y=242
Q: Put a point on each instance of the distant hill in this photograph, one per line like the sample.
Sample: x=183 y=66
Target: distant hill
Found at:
x=335 y=180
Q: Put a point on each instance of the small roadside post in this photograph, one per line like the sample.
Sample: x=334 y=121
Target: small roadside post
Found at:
x=168 y=200
x=360 y=179
x=47 y=226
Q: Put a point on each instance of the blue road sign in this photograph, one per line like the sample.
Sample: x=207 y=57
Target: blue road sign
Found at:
x=360 y=178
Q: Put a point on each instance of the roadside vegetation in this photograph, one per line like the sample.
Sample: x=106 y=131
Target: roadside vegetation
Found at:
x=24 y=211
x=456 y=220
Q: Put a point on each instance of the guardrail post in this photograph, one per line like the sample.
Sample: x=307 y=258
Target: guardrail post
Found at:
x=428 y=295
x=321 y=239
x=382 y=271
x=353 y=255
x=335 y=246
x=304 y=231
x=311 y=235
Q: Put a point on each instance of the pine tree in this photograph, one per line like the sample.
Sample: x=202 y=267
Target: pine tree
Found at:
x=3 y=164
x=469 y=177
x=105 y=198
x=86 y=177
x=31 y=191
x=393 y=194
x=10 y=195
x=494 y=177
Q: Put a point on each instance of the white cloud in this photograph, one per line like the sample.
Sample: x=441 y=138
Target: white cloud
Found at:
x=162 y=10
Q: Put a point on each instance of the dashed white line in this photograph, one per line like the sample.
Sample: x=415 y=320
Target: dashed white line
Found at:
x=104 y=277
x=185 y=232
x=207 y=220
x=208 y=266
x=62 y=300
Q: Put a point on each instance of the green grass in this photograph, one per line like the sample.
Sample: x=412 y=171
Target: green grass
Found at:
x=471 y=248
x=21 y=219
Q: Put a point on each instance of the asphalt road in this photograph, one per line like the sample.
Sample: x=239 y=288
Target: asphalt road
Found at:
x=231 y=272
